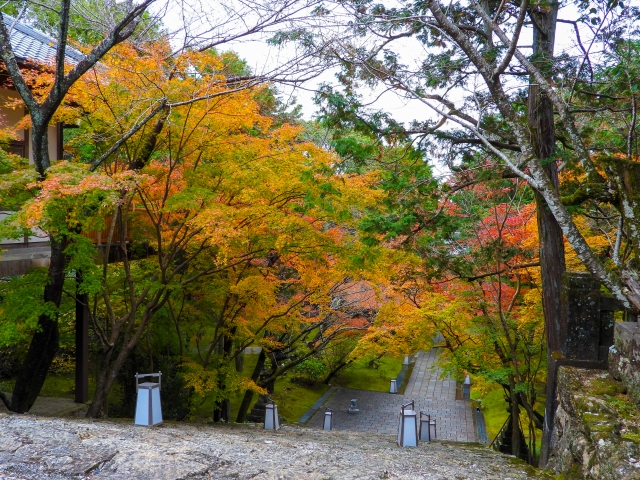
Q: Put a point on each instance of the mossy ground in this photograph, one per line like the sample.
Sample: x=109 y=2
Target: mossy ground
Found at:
x=293 y=399
x=359 y=375
x=494 y=408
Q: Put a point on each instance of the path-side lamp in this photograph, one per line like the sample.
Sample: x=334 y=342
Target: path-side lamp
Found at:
x=408 y=426
x=466 y=388
x=271 y=420
x=393 y=388
x=425 y=420
x=148 y=407
x=328 y=420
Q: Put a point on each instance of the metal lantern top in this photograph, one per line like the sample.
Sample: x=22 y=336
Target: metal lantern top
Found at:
x=408 y=410
x=148 y=384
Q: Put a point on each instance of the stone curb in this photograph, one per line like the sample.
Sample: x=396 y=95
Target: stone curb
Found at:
x=314 y=408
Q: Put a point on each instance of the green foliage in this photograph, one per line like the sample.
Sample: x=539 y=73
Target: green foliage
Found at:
x=311 y=371
x=21 y=303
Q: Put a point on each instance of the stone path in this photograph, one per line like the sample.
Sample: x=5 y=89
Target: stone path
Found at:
x=379 y=411
x=64 y=449
x=52 y=407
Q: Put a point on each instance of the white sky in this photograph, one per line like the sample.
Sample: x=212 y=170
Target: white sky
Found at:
x=262 y=57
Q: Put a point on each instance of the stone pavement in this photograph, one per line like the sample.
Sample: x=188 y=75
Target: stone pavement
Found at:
x=52 y=407
x=33 y=448
x=379 y=410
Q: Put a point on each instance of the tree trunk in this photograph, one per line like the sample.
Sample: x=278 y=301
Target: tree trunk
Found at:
x=515 y=420
x=106 y=378
x=239 y=360
x=222 y=409
x=248 y=395
x=44 y=344
x=336 y=370
x=552 y=263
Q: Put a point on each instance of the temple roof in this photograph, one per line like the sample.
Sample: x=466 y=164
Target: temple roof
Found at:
x=31 y=45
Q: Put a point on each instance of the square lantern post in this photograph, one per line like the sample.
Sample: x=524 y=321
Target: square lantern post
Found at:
x=466 y=388
x=328 y=420
x=432 y=429
x=425 y=421
x=148 y=406
x=271 y=420
x=394 y=387
x=408 y=426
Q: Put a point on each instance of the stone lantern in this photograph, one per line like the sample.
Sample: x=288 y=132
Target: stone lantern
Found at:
x=148 y=406
x=328 y=420
x=408 y=426
x=271 y=420
x=393 y=388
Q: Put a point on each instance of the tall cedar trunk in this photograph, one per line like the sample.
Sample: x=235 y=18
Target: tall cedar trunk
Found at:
x=44 y=344
x=248 y=395
x=552 y=264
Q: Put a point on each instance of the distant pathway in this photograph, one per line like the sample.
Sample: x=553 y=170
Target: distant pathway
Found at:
x=379 y=411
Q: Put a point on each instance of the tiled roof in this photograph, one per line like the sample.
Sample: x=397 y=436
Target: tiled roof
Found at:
x=31 y=45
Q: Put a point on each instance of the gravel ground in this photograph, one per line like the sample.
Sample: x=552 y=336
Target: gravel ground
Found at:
x=55 y=449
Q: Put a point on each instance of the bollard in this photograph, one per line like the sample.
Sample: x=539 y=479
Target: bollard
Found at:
x=148 y=406
x=393 y=388
x=271 y=420
x=408 y=426
x=328 y=420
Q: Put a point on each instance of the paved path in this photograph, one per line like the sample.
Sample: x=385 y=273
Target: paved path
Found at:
x=379 y=411
x=52 y=407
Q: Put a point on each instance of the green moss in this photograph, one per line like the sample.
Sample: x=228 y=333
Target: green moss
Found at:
x=632 y=437
x=359 y=375
x=604 y=386
x=625 y=408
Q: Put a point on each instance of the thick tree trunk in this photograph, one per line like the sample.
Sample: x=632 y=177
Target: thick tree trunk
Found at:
x=222 y=409
x=44 y=344
x=106 y=378
x=248 y=395
x=552 y=263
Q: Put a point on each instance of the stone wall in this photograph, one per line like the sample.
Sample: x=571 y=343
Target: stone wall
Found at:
x=596 y=432
x=624 y=358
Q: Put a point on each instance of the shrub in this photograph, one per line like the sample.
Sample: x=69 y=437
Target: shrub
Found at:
x=310 y=371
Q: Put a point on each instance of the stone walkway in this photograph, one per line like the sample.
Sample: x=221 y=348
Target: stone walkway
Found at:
x=379 y=411
x=52 y=407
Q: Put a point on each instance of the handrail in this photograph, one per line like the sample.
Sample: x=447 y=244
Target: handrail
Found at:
x=412 y=403
x=504 y=425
